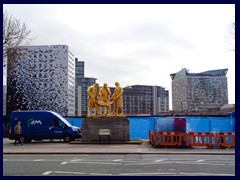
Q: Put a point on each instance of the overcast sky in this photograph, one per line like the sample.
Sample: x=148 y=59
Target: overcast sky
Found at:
x=137 y=43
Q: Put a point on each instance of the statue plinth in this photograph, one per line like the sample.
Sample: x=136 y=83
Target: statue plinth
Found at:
x=118 y=126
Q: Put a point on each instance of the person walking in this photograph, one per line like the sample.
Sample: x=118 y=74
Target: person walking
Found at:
x=18 y=132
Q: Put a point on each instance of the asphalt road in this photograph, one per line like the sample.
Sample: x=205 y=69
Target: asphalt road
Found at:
x=119 y=165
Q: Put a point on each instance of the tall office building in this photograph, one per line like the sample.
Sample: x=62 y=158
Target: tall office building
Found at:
x=199 y=92
x=42 y=78
x=82 y=84
x=145 y=100
x=79 y=74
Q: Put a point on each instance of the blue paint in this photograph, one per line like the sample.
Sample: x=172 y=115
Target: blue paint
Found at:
x=139 y=126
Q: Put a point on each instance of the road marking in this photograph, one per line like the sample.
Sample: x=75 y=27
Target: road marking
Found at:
x=206 y=174
x=201 y=163
x=38 y=159
x=72 y=172
x=172 y=169
x=64 y=163
x=47 y=173
x=161 y=173
x=200 y=160
x=100 y=174
x=147 y=163
x=75 y=160
x=5 y=159
x=82 y=162
x=117 y=160
x=67 y=172
x=159 y=160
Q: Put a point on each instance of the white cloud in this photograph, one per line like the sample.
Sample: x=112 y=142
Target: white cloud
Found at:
x=137 y=44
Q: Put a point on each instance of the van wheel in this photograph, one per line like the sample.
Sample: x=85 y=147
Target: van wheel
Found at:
x=67 y=138
x=22 y=139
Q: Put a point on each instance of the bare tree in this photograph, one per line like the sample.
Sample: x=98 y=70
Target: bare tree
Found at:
x=15 y=34
x=231 y=35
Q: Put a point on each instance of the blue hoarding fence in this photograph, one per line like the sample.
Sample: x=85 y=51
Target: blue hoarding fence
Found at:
x=140 y=126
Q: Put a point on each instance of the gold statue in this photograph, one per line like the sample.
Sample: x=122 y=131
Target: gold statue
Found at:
x=105 y=93
x=118 y=99
x=92 y=93
x=95 y=102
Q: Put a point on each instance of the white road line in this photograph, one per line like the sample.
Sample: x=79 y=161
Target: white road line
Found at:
x=68 y=172
x=75 y=160
x=99 y=174
x=47 y=173
x=159 y=160
x=72 y=172
x=201 y=163
x=161 y=173
x=38 y=159
x=134 y=164
x=117 y=160
x=64 y=163
x=82 y=162
x=200 y=160
x=206 y=174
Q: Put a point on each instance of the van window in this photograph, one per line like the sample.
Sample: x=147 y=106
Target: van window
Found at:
x=61 y=124
x=58 y=123
x=62 y=119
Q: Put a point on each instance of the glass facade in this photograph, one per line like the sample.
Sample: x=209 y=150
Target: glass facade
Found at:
x=145 y=100
x=42 y=78
x=199 y=92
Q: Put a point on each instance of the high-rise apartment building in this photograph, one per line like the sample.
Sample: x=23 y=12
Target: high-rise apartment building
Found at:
x=42 y=78
x=145 y=100
x=199 y=92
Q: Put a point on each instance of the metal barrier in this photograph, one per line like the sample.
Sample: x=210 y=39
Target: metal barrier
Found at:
x=199 y=139
x=150 y=136
x=167 y=139
x=225 y=139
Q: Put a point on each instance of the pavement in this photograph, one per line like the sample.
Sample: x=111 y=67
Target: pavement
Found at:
x=77 y=147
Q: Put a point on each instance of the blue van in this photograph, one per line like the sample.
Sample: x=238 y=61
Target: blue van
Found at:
x=39 y=125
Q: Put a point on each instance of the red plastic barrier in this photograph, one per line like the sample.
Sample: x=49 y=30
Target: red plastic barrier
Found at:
x=225 y=139
x=199 y=139
x=167 y=139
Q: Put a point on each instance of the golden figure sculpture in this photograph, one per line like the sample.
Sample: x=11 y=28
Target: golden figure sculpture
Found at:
x=94 y=101
x=118 y=99
x=105 y=95
x=92 y=93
